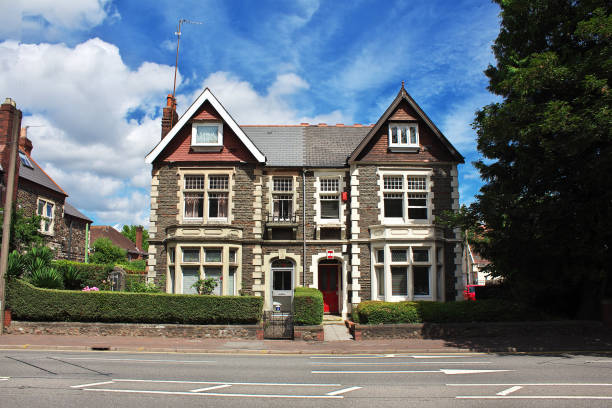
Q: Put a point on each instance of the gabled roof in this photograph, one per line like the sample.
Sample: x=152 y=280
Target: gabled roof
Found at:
x=73 y=212
x=37 y=175
x=404 y=96
x=117 y=238
x=206 y=95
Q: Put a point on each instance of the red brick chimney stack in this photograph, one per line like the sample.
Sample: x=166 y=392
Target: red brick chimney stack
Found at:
x=169 y=117
x=25 y=144
x=139 y=238
x=10 y=121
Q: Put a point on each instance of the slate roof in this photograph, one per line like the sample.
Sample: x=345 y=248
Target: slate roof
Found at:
x=308 y=145
x=282 y=145
x=73 y=212
x=37 y=175
x=117 y=238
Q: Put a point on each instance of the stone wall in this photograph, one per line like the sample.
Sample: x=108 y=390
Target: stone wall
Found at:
x=128 y=329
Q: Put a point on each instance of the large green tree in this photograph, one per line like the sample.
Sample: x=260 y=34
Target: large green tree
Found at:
x=129 y=231
x=547 y=147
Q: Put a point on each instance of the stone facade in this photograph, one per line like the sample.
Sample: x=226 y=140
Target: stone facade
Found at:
x=294 y=224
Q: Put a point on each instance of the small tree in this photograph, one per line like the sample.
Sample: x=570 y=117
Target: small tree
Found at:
x=205 y=286
x=105 y=252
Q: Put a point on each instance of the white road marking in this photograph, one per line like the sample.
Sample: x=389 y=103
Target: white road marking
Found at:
x=91 y=385
x=599 y=361
x=509 y=390
x=407 y=363
x=399 y=356
x=528 y=384
x=215 y=387
x=580 y=397
x=4 y=378
x=136 y=360
x=344 y=391
x=213 y=394
x=224 y=382
x=442 y=370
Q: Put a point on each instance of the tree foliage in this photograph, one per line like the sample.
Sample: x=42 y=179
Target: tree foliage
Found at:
x=105 y=252
x=129 y=231
x=547 y=198
x=24 y=230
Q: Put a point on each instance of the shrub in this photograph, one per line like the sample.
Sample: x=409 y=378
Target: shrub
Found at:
x=205 y=286
x=138 y=283
x=137 y=265
x=91 y=274
x=307 y=306
x=35 y=304
x=376 y=312
x=105 y=252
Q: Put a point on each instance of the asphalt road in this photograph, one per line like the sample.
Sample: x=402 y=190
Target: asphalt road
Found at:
x=103 y=379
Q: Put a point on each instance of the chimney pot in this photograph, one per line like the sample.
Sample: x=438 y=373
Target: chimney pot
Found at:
x=139 y=238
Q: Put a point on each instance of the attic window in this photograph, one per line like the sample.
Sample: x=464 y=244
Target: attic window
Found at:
x=403 y=137
x=25 y=160
x=207 y=136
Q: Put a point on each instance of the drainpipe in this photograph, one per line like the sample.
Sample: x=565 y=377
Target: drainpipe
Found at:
x=304 y=227
x=70 y=240
x=86 y=242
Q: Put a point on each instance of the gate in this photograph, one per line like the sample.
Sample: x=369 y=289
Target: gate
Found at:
x=278 y=325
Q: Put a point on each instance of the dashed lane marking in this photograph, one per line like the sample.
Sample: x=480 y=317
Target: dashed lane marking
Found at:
x=91 y=384
x=509 y=390
x=214 y=387
x=442 y=370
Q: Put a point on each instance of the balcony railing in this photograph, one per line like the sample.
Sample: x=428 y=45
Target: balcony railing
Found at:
x=286 y=219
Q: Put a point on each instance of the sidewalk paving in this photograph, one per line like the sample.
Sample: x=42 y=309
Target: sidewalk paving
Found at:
x=199 y=345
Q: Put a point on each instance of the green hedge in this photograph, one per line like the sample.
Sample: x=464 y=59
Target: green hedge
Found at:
x=91 y=274
x=489 y=310
x=34 y=304
x=307 y=306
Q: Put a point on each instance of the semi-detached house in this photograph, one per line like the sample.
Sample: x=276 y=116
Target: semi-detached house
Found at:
x=346 y=209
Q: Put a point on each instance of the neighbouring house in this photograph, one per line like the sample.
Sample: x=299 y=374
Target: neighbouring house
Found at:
x=63 y=227
x=133 y=250
x=346 y=209
x=475 y=265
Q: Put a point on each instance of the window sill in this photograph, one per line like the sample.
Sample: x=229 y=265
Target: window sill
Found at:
x=206 y=148
x=409 y=149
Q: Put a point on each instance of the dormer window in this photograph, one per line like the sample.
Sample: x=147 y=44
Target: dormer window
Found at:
x=403 y=137
x=207 y=136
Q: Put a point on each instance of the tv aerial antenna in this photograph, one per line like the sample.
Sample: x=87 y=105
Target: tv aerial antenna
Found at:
x=178 y=40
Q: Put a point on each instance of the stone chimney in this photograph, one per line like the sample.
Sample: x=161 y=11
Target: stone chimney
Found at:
x=169 y=117
x=25 y=144
x=139 y=237
x=10 y=121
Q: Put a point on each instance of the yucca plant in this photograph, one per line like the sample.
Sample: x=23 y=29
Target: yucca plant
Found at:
x=45 y=277
x=16 y=265
x=73 y=279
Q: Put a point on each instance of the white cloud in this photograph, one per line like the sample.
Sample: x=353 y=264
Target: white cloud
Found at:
x=83 y=98
x=248 y=106
x=50 y=18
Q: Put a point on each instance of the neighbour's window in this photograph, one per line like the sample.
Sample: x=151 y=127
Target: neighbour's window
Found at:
x=282 y=198
x=329 y=198
x=45 y=209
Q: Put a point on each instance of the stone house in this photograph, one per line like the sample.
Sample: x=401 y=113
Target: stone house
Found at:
x=133 y=250
x=346 y=209
x=63 y=227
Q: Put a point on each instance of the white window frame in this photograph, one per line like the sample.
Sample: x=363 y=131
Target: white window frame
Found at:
x=408 y=145
x=409 y=264
x=284 y=195
x=405 y=192
x=215 y=146
x=51 y=230
x=205 y=191
x=319 y=193
x=225 y=264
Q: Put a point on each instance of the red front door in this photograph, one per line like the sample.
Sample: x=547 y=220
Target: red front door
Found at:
x=328 y=285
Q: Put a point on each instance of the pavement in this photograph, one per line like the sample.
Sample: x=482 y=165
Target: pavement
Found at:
x=215 y=345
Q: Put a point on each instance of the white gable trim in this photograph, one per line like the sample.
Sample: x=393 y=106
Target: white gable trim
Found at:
x=207 y=95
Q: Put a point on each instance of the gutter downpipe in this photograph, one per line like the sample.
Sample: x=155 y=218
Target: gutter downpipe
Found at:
x=304 y=227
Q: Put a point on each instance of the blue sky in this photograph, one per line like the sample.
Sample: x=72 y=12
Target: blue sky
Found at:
x=94 y=75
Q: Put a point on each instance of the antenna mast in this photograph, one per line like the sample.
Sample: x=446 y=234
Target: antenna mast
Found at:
x=178 y=40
